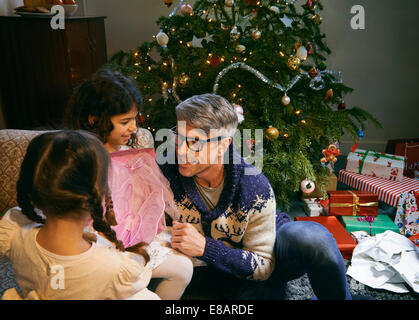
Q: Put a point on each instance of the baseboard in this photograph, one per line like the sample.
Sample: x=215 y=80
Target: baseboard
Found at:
x=375 y=145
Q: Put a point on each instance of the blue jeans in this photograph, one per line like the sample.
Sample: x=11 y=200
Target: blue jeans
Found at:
x=301 y=247
x=308 y=247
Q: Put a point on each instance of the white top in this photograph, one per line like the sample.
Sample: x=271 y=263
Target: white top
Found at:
x=102 y=272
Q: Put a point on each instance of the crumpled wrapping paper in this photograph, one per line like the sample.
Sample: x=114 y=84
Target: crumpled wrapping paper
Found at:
x=386 y=261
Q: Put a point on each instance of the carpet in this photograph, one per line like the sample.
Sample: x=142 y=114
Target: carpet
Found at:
x=298 y=289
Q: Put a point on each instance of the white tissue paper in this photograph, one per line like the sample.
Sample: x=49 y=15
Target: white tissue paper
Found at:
x=386 y=261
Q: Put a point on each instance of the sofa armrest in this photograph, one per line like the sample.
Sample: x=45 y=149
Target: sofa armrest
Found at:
x=13 y=145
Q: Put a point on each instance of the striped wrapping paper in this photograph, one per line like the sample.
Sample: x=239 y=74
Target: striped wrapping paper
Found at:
x=388 y=191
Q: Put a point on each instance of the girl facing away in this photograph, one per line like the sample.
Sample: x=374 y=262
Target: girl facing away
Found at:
x=63 y=183
x=108 y=105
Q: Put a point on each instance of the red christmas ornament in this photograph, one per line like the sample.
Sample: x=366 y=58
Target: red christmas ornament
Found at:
x=341 y=106
x=310 y=4
x=168 y=3
x=141 y=119
x=186 y=10
x=250 y=143
x=309 y=48
x=328 y=95
x=215 y=62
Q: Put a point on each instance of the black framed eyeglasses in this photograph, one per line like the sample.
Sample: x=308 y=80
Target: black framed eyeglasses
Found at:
x=194 y=143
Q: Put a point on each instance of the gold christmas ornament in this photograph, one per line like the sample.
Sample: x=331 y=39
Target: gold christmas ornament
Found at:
x=294 y=63
x=313 y=73
x=229 y=3
x=317 y=19
x=184 y=79
x=272 y=133
x=256 y=34
x=297 y=45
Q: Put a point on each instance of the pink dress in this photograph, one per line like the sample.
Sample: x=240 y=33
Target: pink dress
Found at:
x=140 y=194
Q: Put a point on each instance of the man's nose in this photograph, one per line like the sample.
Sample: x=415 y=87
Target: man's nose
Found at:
x=182 y=148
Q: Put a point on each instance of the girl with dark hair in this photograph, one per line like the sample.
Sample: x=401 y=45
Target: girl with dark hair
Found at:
x=107 y=104
x=63 y=183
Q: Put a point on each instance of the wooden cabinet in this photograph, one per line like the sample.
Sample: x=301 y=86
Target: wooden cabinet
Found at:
x=40 y=66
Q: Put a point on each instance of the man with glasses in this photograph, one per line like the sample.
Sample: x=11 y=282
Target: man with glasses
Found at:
x=228 y=218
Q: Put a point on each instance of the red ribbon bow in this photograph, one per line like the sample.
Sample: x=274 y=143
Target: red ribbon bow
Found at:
x=368 y=219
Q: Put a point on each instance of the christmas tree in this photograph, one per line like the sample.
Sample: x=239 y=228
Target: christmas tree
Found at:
x=268 y=57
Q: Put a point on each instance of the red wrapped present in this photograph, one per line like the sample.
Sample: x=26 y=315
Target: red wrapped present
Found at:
x=388 y=191
x=344 y=241
x=411 y=153
x=353 y=203
x=415 y=239
x=409 y=149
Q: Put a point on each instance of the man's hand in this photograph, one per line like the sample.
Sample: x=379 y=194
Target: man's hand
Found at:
x=187 y=239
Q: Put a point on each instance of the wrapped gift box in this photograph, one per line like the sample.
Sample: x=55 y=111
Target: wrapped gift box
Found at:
x=415 y=239
x=353 y=203
x=409 y=149
x=344 y=241
x=313 y=207
x=388 y=191
x=376 y=164
x=359 y=235
x=330 y=186
x=380 y=224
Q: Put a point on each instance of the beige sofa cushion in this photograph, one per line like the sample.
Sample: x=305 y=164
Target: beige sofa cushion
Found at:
x=13 y=144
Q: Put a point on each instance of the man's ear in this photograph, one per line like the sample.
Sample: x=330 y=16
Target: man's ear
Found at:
x=223 y=147
x=92 y=120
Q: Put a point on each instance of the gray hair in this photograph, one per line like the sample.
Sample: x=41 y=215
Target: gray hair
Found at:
x=208 y=111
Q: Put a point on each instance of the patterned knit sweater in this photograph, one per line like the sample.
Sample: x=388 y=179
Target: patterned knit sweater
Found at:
x=241 y=230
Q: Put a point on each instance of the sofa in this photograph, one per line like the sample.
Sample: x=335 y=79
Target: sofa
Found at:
x=13 y=144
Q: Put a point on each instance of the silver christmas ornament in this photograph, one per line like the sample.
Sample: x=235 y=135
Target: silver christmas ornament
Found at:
x=234 y=34
x=162 y=38
x=301 y=53
x=285 y=100
x=240 y=48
